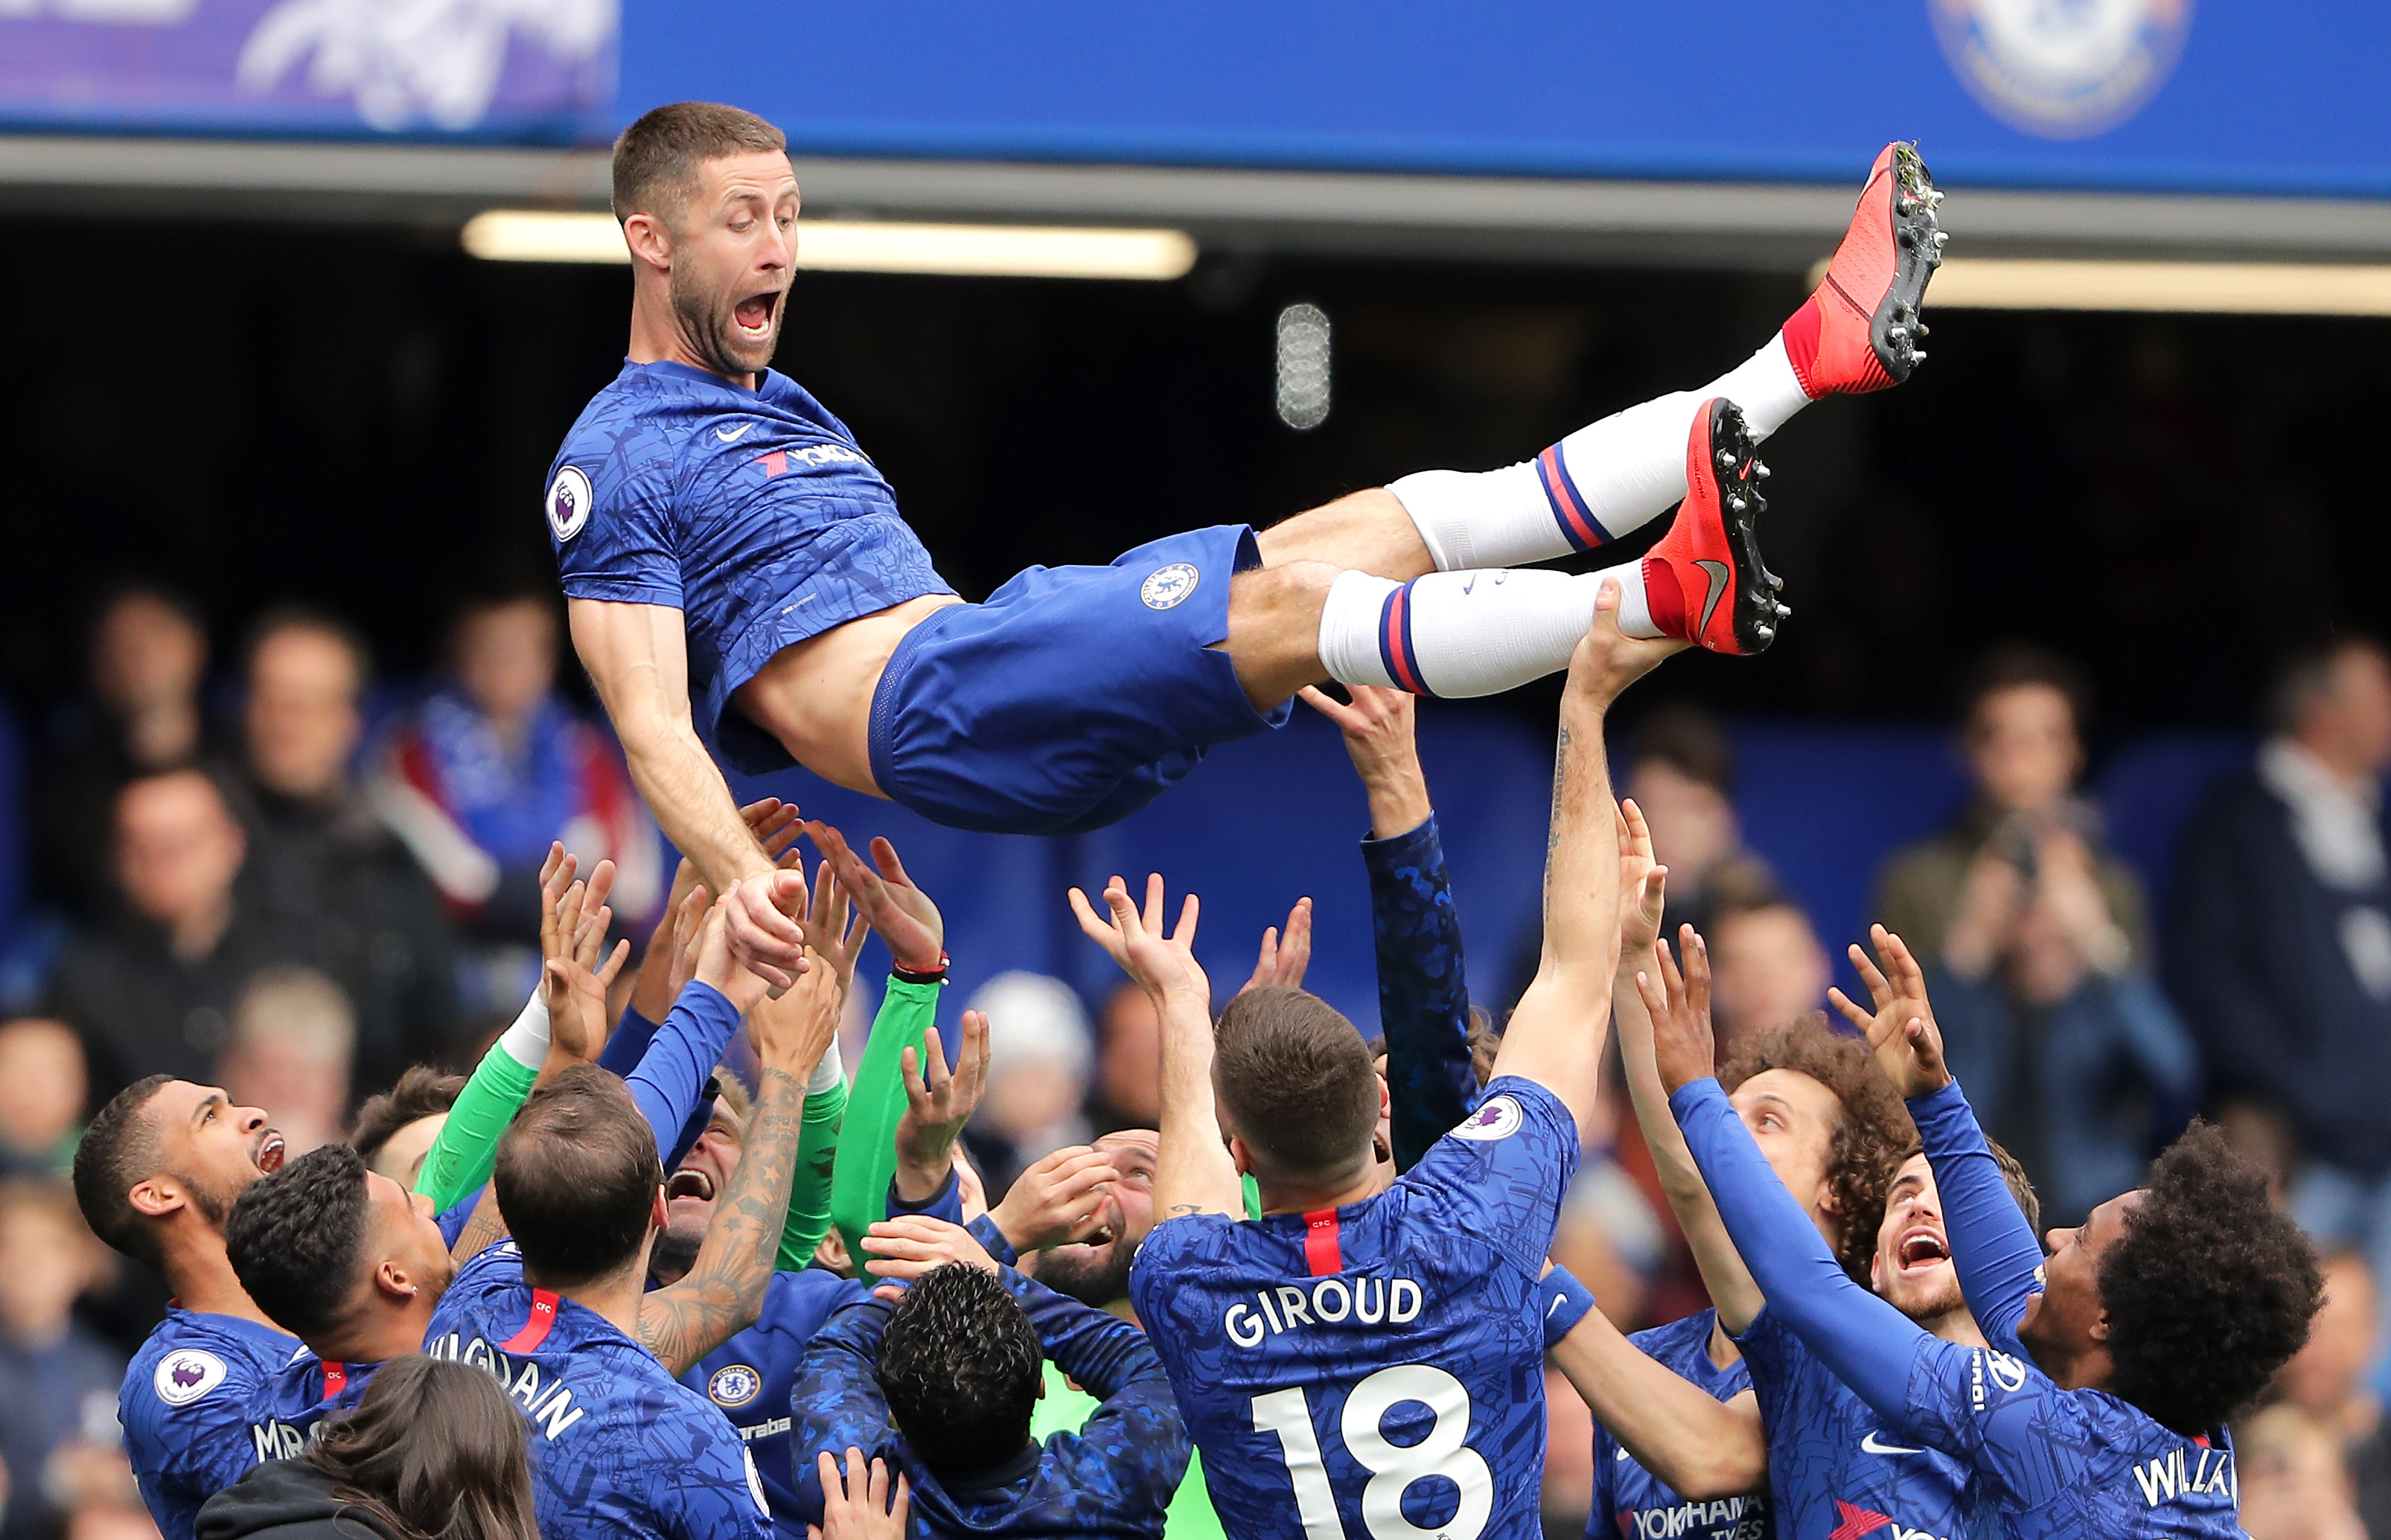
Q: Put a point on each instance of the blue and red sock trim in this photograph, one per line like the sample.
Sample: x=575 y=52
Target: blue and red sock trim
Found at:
x=1569 y=508
x=1395 y=642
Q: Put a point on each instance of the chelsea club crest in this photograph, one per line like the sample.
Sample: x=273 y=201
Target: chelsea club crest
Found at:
x=2063 y=72
x=1167 y=587
x=735 y=1385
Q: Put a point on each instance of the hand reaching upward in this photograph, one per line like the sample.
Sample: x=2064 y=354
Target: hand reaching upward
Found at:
x=1162 y=965
x=1680 y=1008
x=1643 y=888
x=1901 y=1030
x=887 y=898
x=1285 y=954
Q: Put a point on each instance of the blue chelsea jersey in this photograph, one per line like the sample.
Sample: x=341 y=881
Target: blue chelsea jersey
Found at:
x=751 y=1376
x=753 y=512
x=1833 y=1465
x=1376 y=1369
x=186 y=1408
x=1633 y=1504
x=619 y=1448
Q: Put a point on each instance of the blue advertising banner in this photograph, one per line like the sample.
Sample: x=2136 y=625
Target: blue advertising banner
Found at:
x=2273 y=95
x=525 y=71
x=2217 y=95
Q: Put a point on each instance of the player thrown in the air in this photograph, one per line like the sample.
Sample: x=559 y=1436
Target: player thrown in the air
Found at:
x=738 y=573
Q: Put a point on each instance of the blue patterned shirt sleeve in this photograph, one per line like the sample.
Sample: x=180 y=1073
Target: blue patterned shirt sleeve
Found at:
x=1422 y=989
x=1134 y=1448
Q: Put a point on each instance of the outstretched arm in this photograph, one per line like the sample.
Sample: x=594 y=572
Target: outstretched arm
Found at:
x=1993 y=1248
x=1702 y=1446
x=1556 y=1034
x=638 y=658
x=724 y=1287
x=1642 y=957
x=1868 y=1344
x=1192 y=1173
x=1423 y=987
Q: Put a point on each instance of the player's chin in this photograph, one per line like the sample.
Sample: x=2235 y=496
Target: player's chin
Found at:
x=751 y=347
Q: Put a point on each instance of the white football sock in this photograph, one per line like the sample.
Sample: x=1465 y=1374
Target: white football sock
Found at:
x=1459 y=634
x=1602 y=482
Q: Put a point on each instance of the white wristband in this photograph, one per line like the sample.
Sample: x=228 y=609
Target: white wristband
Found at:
x=828 y=1073
x=526 y=1040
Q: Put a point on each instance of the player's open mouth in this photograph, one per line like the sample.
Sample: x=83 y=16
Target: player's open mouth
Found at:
x=690 y=1184
x=1919 y=1249
x=754 y=314
x=270 y=1154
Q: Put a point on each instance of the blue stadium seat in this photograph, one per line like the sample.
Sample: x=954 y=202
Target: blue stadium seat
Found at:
x=2148 y=788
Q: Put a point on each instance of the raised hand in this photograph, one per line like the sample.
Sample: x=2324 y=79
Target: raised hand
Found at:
x=718 y=966
x=760 y=928
x=1680 y=1008
x=1058 y=1200
x=1162 y=965
x=911 y=1245
x=573 y=980
x=938 y=1104
x=1643 y=886
x=1608 y=661
x=833 y=929
x=887 y=898
x=859 y=1506
x=1379 y=740
x=1284 y=956
x=790 y=1033
x=1901 y=1030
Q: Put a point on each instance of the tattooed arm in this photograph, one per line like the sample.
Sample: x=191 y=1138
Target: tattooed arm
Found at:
x=725 y=1288
x=1555 y=1036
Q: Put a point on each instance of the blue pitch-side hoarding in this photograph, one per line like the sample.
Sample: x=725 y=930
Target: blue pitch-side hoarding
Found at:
x=2264 y=96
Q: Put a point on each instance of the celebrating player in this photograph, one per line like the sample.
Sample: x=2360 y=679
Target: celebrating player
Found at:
x=720 y=534
x=2099 y=1405
x=1357 y=1341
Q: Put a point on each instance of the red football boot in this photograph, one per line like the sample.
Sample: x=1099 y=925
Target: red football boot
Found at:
x=1705 y=582
x=1859 y=332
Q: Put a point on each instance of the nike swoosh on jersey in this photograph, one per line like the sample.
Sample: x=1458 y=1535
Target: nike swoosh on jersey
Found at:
x=733 y=437
x=1716 y=572
x=1873 y=1446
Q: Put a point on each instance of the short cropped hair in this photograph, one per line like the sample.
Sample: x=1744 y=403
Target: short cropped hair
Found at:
x=1295 y=1080
x=2304 y=676
x=309 y=617
x=1872 y=1126
x=119 y=1151
x=293 y=1237
x=423 y=1090
x=2016 y=665
x=577 y=1176
x=656 y=158
x=1689 y=741
x=2210 y=1290
x=960 y=1365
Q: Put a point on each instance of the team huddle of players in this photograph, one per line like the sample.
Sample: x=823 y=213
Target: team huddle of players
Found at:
x=730 y=1288
x=1346 y=1304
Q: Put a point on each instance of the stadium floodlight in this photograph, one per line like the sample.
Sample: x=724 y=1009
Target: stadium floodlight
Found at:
x=868 y=246
x=2221 y=287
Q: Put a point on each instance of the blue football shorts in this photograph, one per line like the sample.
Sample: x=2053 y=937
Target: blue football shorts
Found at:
x=1073 y=696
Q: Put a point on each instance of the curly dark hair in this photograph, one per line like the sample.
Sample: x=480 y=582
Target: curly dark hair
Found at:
x=2209 y=1290
x=960 y=1365
x=292 y=1239
x=1874 y=1124
x=424 y=1091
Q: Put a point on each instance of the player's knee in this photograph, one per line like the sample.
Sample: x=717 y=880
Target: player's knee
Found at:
x=1291 y=587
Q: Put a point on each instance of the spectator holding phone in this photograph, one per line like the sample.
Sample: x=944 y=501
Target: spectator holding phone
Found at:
x=2036 y=947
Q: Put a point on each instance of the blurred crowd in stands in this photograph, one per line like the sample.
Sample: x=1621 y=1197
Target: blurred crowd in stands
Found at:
x=246 y=872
